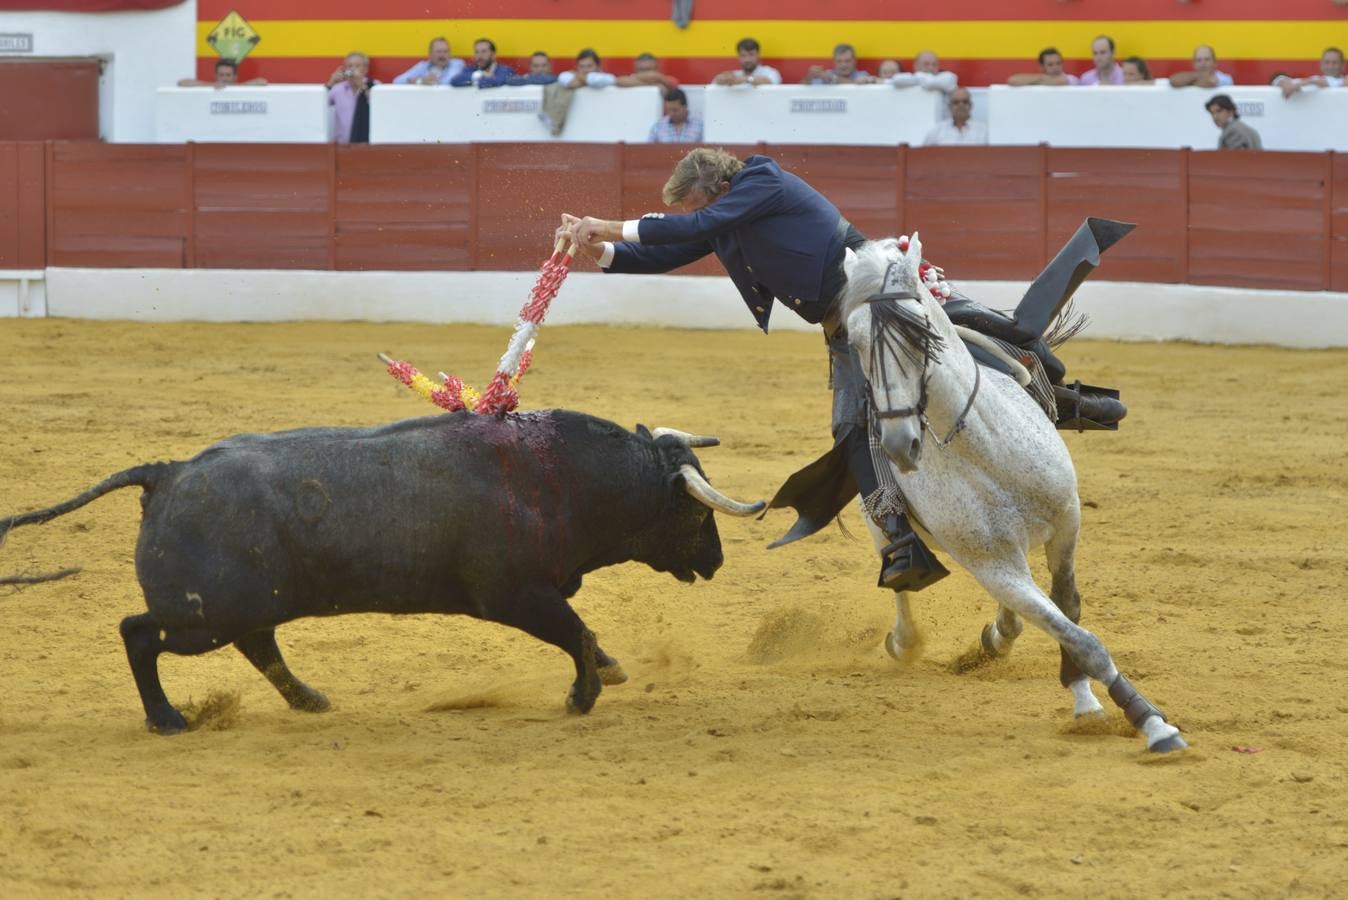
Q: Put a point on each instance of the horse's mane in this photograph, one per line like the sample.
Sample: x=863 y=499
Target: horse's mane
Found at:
x=897 y=332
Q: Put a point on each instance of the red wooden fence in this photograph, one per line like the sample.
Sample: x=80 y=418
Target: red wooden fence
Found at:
x=1265 y=220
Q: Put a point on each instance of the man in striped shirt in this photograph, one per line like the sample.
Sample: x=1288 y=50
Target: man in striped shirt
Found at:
x=676 y=126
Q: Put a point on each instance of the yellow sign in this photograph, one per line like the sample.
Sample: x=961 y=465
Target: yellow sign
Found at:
x=233 y=38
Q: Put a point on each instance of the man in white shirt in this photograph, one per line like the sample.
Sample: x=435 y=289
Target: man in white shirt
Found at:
x=586 y=73
x=926 y=74
x=960 y=128
x=1205 y=73
x=751 y=70
x=1331 y=75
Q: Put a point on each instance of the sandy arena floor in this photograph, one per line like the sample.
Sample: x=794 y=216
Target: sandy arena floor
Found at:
x=765 y=746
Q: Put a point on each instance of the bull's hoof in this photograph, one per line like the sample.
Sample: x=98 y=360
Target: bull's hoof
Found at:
x=578 y=704
x=612 y=674
x=310 y=701
x=1166 y=745
x=171 y=722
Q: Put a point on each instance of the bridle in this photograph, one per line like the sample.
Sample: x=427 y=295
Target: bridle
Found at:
x=930 y=342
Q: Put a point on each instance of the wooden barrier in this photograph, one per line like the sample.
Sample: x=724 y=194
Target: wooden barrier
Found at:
x=23 y=234
x=1258 y=220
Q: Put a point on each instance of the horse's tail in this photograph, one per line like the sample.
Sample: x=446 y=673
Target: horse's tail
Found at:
x=1066 y=325
x=146 y=476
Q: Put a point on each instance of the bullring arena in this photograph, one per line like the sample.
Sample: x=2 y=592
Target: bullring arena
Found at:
x=155 y=298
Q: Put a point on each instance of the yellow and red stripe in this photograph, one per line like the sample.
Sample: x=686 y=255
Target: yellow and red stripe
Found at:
x=984 y=41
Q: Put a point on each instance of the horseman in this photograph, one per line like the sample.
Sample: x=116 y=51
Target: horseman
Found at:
x=781 y=240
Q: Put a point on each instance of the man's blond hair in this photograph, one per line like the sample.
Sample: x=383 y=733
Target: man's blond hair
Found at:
x=703 y=169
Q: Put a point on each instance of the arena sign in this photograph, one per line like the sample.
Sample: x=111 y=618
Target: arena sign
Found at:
x=819 y=106
x=16 y=43
x=233 y=38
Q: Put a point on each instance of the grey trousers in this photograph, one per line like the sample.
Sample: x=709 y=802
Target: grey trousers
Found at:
x=870 y=467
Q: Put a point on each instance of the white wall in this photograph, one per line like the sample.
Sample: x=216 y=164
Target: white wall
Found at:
x=144 y=51
x=1121 y=310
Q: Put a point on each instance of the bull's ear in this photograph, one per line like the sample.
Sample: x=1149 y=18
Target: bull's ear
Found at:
x=643 y=430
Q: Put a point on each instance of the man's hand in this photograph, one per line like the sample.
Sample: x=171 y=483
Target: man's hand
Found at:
x=586 y=233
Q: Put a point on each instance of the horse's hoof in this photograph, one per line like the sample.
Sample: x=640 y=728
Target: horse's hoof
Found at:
x=892 y=647
x=1097 y=713
x=1166 y=745
x=989 y=643
x=612 y=674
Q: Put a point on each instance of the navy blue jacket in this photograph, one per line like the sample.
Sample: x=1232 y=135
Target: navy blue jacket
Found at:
x=775 y=235
x=501 y=76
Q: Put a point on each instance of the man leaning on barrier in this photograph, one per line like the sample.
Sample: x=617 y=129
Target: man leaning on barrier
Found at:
x=226 y=74
x=751 y=70
x=485 y=71
x=1050 y=71
x=1205 y=72
x=437 y=68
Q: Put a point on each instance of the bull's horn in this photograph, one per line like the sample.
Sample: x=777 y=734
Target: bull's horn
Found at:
x=692 y=440
x=700 y=490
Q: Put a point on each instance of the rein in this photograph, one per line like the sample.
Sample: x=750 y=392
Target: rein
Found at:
x=920 y=409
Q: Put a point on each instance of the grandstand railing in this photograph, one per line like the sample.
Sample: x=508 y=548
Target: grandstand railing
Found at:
x=1256 y=220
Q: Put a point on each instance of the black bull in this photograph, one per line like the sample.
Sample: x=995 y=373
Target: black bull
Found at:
x=497 y=518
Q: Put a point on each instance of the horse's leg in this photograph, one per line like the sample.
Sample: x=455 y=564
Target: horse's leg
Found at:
x=1010 y=582
x=999 y=634
x=1061 y=553
x=903 y=643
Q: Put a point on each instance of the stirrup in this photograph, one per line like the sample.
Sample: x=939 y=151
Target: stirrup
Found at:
x=1088 y=408
x=907 y=565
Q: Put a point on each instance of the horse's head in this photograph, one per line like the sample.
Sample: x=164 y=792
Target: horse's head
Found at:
x=888 y=311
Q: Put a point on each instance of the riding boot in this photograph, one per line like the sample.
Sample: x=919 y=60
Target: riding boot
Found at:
x=906 y=564
x=1088 y=408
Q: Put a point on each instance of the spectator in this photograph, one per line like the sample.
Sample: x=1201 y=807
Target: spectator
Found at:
x=1331 y=75
x=676 y=126
x=1135 y=71
x=540 y=71
x=888 y=69
x=226 y=74
x=751 y=70
x=844 y=69
x=485 y=70
x=1236 y=135
x=960 y=128
x=438 y=68
x=646 y=70
x=926 y=74
x=1205 y=72
x=1050 y=71
x=587 y=73
x=1106 y=70
x=349 y=96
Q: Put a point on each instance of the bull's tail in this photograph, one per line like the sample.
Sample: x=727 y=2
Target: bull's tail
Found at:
x=146 y=476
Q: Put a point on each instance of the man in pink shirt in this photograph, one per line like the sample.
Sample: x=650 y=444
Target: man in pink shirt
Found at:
x=1106 y=70
x=348 y=95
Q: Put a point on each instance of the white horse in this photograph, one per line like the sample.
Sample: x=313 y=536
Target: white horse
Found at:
x=995 y=481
